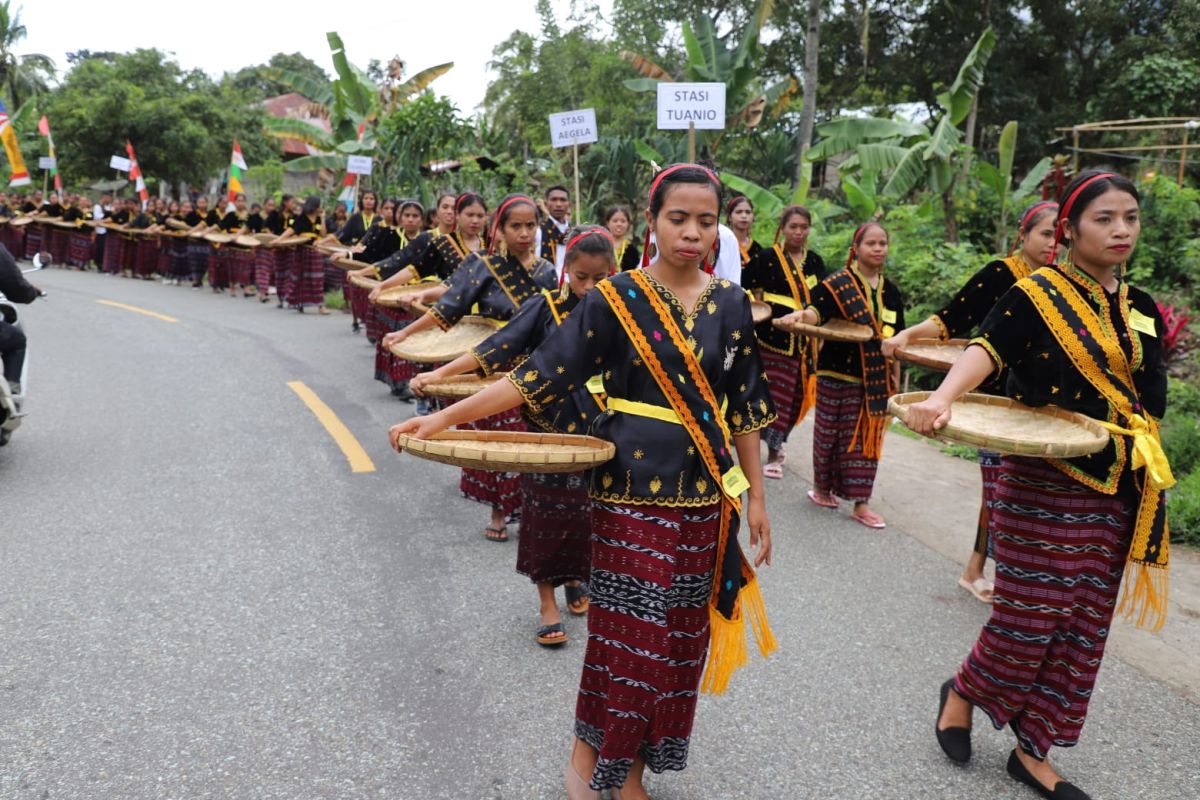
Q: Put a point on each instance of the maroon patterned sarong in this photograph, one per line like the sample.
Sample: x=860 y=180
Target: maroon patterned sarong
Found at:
x=241 y=266
x=264 y=268
x=13 y=240
x=218 y=267
x=56 y=243
x=555 y=540
x=837 y=469
x=388 y=368
x=35 y=234
x=500 y=490
x=306 y=284
x=1060 y=551
x=787 y=392
x=80 y=247
x=114 y=252
x=145 y=260
x=651 y=577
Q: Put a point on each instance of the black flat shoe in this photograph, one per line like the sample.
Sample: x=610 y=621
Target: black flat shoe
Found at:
x=1062 y=790
x=955 y=742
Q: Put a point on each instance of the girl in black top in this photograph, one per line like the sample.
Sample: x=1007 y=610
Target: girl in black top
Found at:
x=620 y=225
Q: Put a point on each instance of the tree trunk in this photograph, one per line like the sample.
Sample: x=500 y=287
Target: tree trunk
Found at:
x=808 y=114
x=948 y=211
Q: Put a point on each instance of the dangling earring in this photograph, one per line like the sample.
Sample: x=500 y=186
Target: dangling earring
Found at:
x=1070 y=256
x=564 y=290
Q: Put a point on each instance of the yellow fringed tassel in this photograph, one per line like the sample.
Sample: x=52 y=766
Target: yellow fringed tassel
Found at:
x=755 y=611
x=1144 y=595
x=870 y=431
x=726 y=650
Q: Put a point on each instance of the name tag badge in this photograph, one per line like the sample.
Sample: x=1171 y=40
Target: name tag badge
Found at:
x=889 y=316
x=595 y=384
x=1142 y=323
x=734 y=482
x=888 y=331
x=810 y=281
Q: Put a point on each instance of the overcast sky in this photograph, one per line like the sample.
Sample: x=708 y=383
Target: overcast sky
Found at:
x=220 y=37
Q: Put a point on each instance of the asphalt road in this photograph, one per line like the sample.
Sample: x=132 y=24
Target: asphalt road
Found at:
x=199 y=599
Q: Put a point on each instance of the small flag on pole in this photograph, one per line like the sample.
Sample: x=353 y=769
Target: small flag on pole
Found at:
x=20 y=175
x=349 y=196
x=135 y=175
x=44 y=130
x=237 y=167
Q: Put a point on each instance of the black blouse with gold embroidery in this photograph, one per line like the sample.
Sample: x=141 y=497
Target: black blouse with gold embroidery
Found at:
x=508 y=347
x=766 y=272
x=655 y=462
x=1040 y=373
x=492 y=287
x=843 y=360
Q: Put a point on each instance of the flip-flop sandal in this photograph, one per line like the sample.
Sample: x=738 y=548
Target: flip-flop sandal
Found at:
x=981 y=588
x=495 y=534
x=577 y=599
x=823 y=502
x=546 y=640
x=773 y=469
x=870 y=520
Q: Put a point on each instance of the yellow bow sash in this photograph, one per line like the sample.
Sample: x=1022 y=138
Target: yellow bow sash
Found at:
x=1147 y=450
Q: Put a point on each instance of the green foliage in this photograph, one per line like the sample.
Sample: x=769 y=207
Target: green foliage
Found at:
x=182 y=124
x=1181 y=440
x=1183 y=510
x=21 y=76
x=428 y=128
x=260 y=82
x=1168 y=249
x=265 y=179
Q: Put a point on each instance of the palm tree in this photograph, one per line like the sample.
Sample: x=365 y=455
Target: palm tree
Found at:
x=24 y=76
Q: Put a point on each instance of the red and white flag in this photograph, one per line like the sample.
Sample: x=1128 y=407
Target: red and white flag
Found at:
x=135 y=175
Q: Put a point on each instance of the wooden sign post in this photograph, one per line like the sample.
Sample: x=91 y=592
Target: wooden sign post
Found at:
x=571 y=129
x=691 y=107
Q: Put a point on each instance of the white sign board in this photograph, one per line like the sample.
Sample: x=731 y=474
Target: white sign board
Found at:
x=574 y=127
x=680 y=104
x=46 y=162
x=358 y=165
x=119 y=163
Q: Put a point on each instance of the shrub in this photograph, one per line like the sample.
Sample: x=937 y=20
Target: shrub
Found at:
x=1183 y=510
x=1168 y=249
x=1183 y=397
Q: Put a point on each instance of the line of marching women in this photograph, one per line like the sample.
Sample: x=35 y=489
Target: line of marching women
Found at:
x=657 y=350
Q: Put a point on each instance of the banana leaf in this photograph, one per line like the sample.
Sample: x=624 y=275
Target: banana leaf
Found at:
x=699 y=66
x=1033 y=180
x=312 y=163
x=879 y=158
x=648 y=153
x=299 y=129
x=642 y=84
x=421 y=80
x=907 y=174
x=349 y=83
x=840 y=135
x=645 y=66
x=766 y=203
x=990 y=176
x=958 y=98
x=862 y=200
x=317 y=92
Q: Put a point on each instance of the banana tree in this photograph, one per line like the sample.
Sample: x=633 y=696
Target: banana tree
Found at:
x=715 y=59
x=351 y=103
x=912 y=156
x=999 y=180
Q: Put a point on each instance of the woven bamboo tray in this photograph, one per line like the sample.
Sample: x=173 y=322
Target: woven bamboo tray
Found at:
x=363 y=282
x=246 y=240
x=461 y=386
x=201 y=234
x=390 y=297
x=936 y=354
x=760 y=311
x=58 y=223
x=835 y=330
x=265 y=237
x=436 y=346
x=20 y=221
x=1006 y=426
x=177 y=224
x=512 y=451
x=218 y=238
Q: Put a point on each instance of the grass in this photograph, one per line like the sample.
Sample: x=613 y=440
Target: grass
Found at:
x=334 y=300
x=957 y=450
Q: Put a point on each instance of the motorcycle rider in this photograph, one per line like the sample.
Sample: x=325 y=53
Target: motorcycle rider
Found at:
x=12 y=339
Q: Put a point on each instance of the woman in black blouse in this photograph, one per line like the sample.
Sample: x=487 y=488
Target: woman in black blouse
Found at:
x=739 y=216
x=962 y=317
x=1077 y=336
x=854 y=381
x=620 y=225
x=676 y=351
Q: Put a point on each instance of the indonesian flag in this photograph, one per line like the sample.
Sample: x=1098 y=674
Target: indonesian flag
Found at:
x=20 y=175
x=135 y=175
x=237 y=166
x=44 y=130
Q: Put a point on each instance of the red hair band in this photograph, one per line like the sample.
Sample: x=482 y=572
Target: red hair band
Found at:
x=520 y=198
x=1030 y=214
x=857 y=238
x=567 y=248
x=1065 y=211
x=650 y=201
x=733 y=203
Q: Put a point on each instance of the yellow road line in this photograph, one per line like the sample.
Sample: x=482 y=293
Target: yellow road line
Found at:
x=358 y=458
x=137 y=310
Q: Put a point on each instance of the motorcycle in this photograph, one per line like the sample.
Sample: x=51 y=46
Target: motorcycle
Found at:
x=11 y=404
